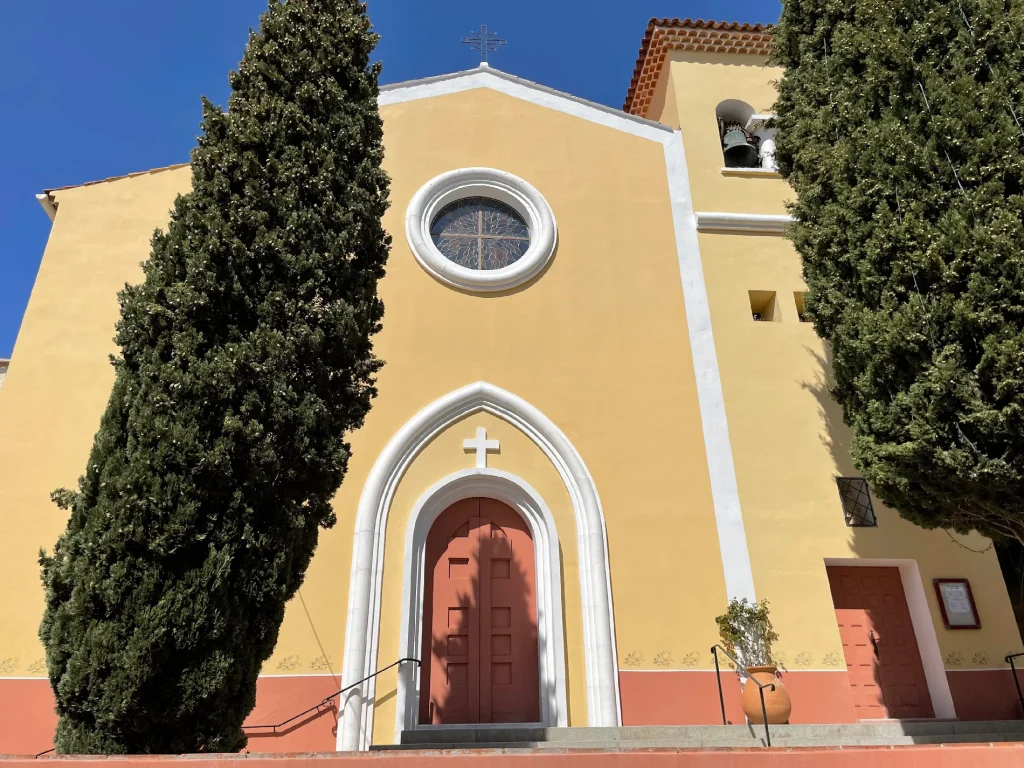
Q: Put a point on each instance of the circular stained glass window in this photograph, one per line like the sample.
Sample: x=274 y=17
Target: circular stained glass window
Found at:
x=480 y=233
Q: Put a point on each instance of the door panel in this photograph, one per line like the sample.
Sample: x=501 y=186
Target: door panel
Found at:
x=480 y=618
x=882 y=655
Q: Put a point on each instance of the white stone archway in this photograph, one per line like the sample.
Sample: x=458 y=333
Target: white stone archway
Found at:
x=363 y=619
x=518 y=494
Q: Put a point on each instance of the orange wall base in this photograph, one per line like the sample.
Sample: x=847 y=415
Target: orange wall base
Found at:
x=279 y=698
x=691 y=698
x=27 y=719
x=985 y=694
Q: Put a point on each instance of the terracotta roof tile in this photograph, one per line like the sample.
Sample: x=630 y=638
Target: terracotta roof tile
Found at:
x=664 y=35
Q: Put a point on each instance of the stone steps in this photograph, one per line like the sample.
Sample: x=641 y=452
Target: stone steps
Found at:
x=703 y=736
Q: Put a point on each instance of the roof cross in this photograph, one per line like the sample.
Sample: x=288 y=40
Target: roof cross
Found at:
x=484 y=42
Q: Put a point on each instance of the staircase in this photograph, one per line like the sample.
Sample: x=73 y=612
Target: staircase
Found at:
x=712 y=736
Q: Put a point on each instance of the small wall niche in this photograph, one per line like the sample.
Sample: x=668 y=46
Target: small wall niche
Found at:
x=763 y=306
x=798 y=298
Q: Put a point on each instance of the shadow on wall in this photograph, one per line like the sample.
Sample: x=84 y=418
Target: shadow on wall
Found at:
x=883 y=635
x=480 y=618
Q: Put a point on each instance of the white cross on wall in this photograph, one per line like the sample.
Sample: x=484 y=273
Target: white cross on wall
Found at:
x=481 y=445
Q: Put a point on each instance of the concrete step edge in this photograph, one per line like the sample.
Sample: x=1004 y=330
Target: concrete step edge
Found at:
x=687 y=733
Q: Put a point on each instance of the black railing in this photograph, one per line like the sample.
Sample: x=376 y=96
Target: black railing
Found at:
x=1013 y=671
x=750 y=679
x=318 y=708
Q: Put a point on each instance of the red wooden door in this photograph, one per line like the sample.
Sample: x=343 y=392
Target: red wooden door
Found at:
x=882 y=655
x=480 y=618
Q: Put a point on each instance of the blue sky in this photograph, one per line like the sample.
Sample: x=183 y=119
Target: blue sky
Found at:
x=97 y=89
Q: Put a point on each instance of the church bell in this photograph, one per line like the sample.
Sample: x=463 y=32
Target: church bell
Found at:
x=738 y=148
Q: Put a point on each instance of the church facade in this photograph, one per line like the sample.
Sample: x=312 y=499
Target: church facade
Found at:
x=601 y=417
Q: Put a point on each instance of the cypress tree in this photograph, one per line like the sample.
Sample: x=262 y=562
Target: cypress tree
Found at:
x=900 y=129
x=246 y=357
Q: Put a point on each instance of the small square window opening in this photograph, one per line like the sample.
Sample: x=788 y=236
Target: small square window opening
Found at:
x=857 y=507
x=798 y=298
x=763 y=306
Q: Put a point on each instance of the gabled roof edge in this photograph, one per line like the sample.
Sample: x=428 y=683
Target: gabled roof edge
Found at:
x=486 y=70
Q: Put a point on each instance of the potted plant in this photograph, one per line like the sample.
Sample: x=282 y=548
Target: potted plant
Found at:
x=747 y=634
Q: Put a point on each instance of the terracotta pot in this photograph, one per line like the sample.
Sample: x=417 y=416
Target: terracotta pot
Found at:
x=776 y=703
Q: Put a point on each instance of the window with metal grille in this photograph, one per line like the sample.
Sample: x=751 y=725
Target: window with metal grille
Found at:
x=857 y=507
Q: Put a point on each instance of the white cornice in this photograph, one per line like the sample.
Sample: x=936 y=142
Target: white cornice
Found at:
x=752 y=173
x=748 y=223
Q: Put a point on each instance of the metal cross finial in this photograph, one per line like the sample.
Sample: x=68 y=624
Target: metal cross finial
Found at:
x=485 y=42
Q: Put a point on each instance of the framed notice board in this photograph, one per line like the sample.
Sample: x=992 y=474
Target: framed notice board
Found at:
x=957 y=603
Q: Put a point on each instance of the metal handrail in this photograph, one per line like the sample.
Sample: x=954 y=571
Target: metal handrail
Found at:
x=1013 y=671
x=750 y=679
x=317 y=708
x=323 y=704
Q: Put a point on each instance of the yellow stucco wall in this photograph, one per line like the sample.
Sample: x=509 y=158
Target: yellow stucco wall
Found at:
x=59 y=381
x=788 y=438
x=598 y=343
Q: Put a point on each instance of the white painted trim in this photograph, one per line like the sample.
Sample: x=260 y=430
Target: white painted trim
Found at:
x=483 y=182
x=363 y=620
x=48 y=206
x=526 y=90
x=2 y=679
x=755 y=120
x=518 y=494
x=752 y=173
x=748 y=223
x=924 y=627
x=732 y=538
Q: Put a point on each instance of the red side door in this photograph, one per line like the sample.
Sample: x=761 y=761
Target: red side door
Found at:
x=882 y=655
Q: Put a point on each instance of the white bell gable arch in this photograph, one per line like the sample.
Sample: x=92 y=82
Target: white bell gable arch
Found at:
x=363 y=619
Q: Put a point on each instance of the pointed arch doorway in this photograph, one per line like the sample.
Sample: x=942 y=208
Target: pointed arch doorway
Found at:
x=480 y=618
x=363 y=623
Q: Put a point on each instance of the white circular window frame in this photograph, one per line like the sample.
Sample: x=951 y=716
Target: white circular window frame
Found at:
x=497 y=185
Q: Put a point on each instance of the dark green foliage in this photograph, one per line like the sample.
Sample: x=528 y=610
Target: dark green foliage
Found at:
x=897 y=131
x=246 y=358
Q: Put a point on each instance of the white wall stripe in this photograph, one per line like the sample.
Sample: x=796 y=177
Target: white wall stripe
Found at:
x=732 y=538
